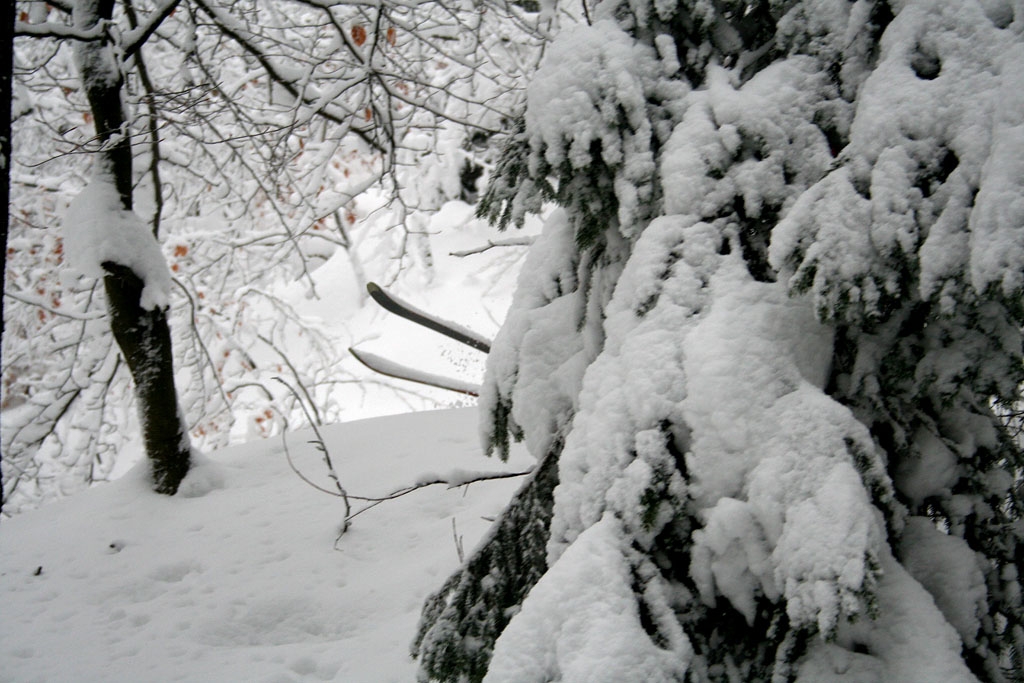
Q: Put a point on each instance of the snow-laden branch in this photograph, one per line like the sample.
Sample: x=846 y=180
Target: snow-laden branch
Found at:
x=63 y=5
x=135 y=38
x=459 y=477
x=245 y=39
x=453 y=479
x=491 y=244
x=51 y=30
x=371 y=4
x=39 y=302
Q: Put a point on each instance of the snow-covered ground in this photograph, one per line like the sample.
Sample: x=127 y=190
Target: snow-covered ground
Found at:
x=241 y=578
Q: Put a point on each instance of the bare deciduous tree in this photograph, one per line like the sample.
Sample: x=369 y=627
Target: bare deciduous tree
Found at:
x=262 y=138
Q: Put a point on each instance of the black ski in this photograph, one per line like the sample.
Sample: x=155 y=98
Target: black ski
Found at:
x=413 y=314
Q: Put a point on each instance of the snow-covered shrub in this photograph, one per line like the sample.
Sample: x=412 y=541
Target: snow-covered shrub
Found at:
x=764 y=338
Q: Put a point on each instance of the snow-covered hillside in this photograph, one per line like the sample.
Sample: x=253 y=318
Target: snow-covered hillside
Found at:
x=240 y=577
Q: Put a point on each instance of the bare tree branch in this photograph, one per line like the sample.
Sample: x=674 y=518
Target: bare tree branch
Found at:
x=491 y=244
x=136 y=38
x=60 y=31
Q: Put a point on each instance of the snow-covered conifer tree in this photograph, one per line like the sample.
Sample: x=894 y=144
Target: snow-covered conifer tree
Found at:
x=764 y=340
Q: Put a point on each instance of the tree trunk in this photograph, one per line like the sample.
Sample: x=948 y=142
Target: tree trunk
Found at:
x=143 y=336
x=6 y=76
x=145 y=341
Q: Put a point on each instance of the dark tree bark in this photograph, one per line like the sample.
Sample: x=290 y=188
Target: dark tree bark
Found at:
x=461 y=622
x=145 y=341
x=143 y=335
x=6 y=74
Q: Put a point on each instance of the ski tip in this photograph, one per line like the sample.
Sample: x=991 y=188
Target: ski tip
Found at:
x=362 y=360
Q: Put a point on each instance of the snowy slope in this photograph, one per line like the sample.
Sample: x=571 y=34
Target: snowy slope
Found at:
x=241 y=581
x=472 y=290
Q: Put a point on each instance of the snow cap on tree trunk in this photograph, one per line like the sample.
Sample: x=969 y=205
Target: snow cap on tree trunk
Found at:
x=97 y=230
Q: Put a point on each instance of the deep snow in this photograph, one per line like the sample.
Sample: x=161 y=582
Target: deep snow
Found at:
x=239 y=578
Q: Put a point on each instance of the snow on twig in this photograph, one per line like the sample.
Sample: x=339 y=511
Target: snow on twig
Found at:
x=491 y=244
x=455 y=479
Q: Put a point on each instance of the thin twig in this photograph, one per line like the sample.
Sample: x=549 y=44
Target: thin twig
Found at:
x=458 y=543
x=491 y=244
x=374 y=502
x=321 y=446
x=314 y=417
x=291 y=463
